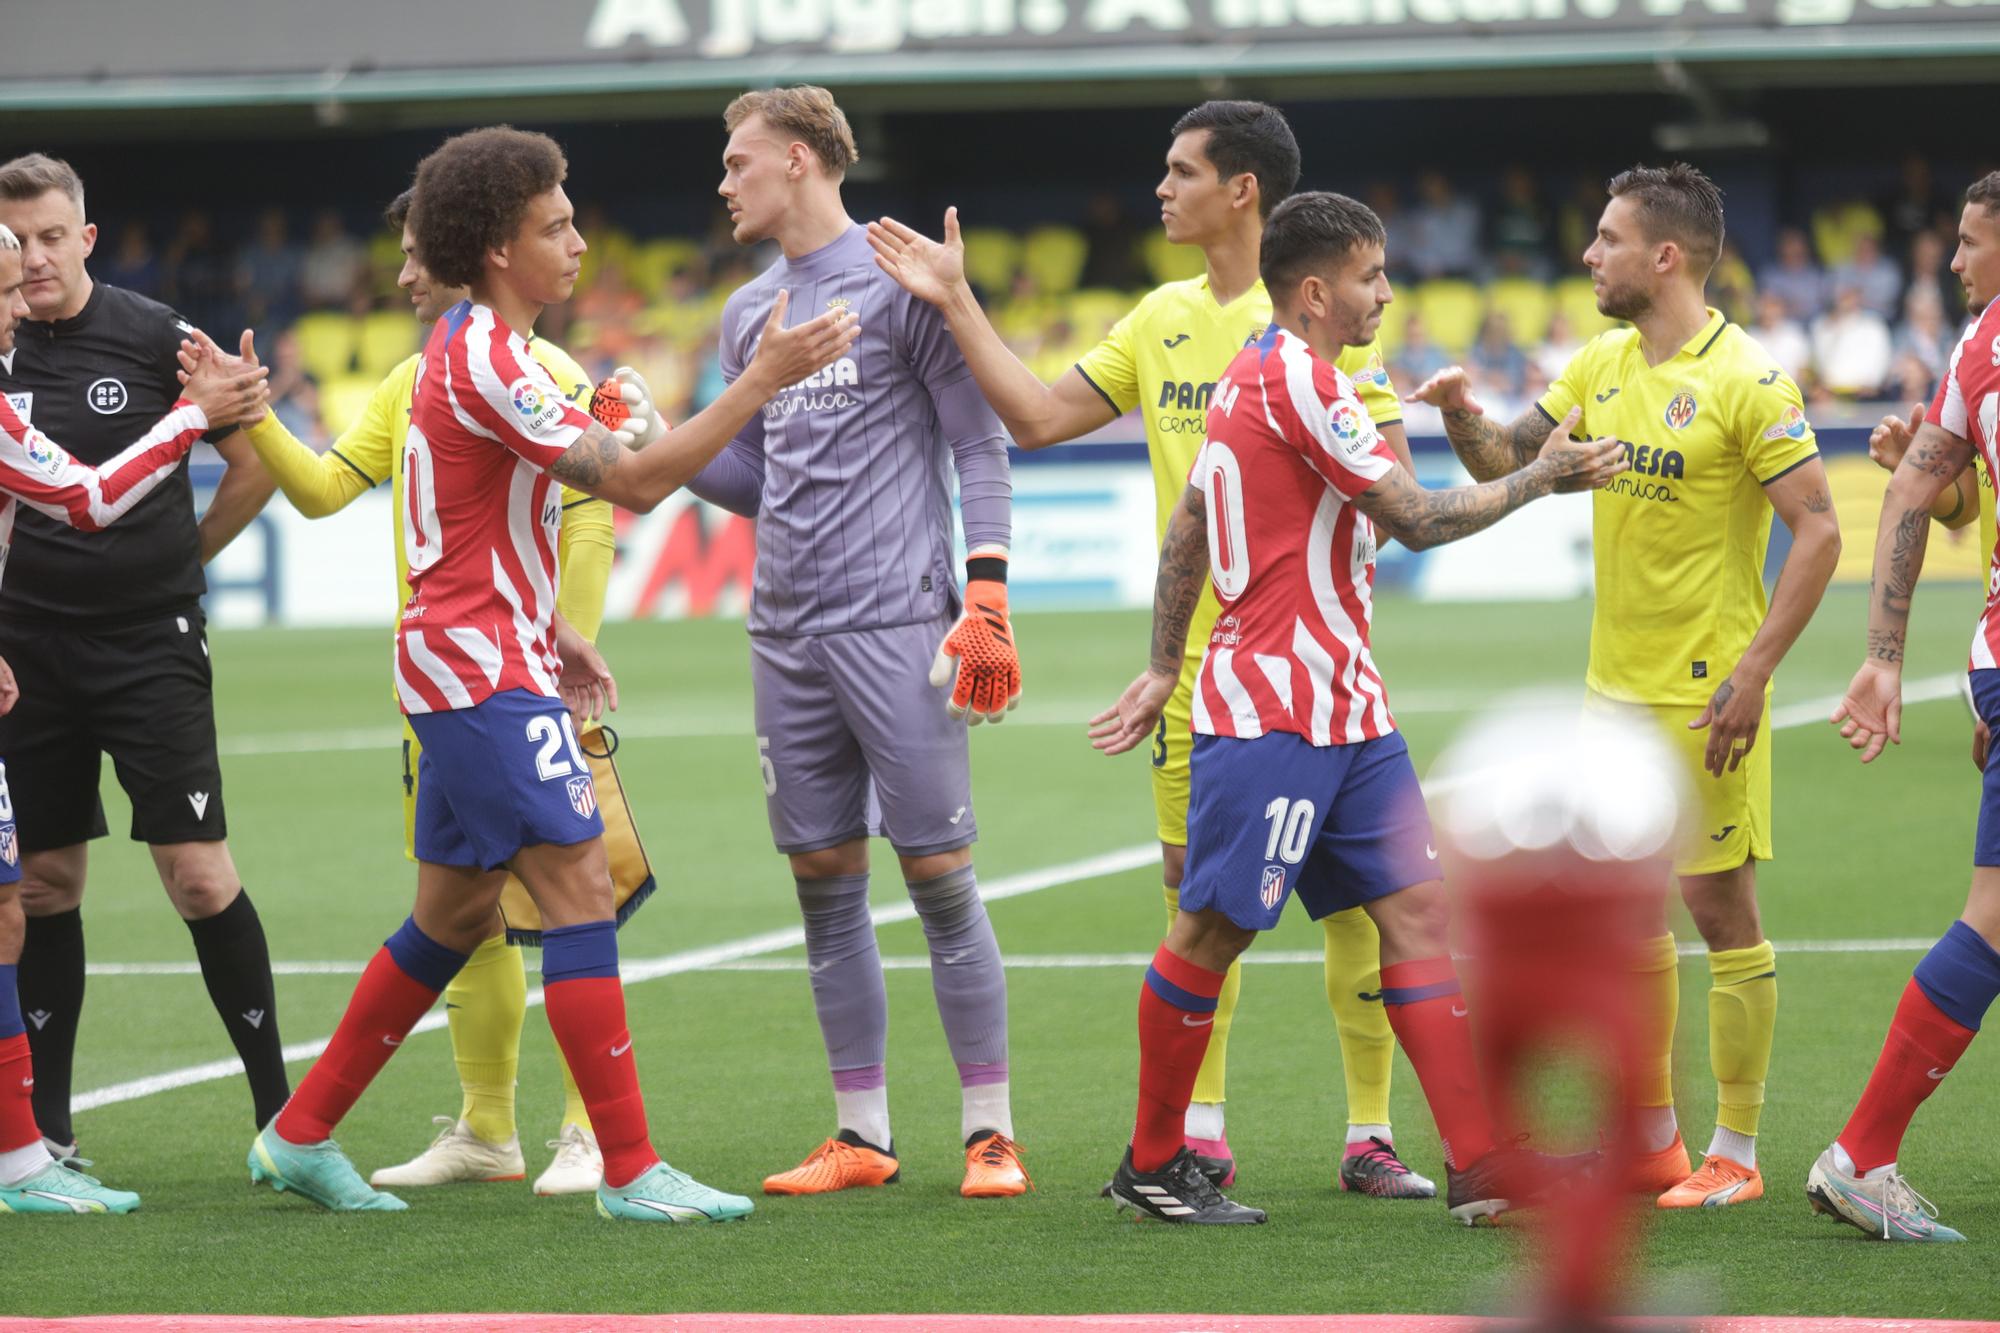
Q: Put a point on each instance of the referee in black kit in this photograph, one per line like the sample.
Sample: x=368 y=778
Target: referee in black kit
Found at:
x=106 y=636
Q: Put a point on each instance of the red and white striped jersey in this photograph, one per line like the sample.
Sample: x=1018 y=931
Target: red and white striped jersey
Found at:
x=481 y=517
x=1293 y=561
x=37 y=472
x=1968 y=405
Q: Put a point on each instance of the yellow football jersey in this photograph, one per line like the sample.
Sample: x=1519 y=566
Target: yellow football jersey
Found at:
x=1679 y=540
x=1164 y=358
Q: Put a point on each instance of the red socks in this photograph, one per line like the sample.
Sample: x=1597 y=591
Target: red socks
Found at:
x=386 y=1005
x=1176 y=1016
x=1923 y=1044
x=1427 y=1011
x=587 y=1015
x=17 y=1086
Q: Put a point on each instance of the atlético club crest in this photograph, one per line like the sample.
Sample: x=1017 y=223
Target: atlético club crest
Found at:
x=1274 y=886
x=10 y=852
x=582 y=797
x=1681 y=410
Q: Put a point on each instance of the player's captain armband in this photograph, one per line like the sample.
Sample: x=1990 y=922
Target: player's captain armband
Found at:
x=538 y=405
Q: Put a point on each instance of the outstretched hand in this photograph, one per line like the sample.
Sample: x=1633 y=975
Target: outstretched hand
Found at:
x=1132 y=719
x=797 y=353
x=1581 y=465
x=1890 y=439
x=1870 y=714
x=928 y=270
x=230 y=390
x=1449 y=390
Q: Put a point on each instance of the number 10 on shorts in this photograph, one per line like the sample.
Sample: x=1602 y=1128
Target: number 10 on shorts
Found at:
x=1291 y=829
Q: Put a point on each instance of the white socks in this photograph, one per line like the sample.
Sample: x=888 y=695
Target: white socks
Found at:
x=1363 y=1133
x=18 y=1165
x=1657 y=1128
x=1738 y=1148
x=985 y=1106
x=866 y=1113
x=1204 y=1121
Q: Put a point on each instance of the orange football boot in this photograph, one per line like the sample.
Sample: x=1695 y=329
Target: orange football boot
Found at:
x=1720 y=1181
x=993 y=1168
x=1658 y=1172
x=845 y=1161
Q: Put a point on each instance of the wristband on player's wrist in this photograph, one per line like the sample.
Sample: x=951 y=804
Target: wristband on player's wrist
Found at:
x=989 y=568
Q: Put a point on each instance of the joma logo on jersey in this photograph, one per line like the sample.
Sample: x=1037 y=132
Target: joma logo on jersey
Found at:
x=1649 y=461
x=1185 y=396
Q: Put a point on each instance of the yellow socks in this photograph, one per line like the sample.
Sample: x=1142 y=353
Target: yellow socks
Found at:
x=1367 y=1046
x=1208 y=1084
x=574 y=1112
x=1742 y=1015
x=483 y=1005
x=1658 y=969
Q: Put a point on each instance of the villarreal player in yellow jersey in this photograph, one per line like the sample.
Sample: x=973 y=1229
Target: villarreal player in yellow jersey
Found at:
x=486 y=1002
x=1682 y=633
x=1229 y=164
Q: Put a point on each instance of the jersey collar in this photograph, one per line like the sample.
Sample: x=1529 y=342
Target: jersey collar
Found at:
x=1704 y=339
x=58 y=328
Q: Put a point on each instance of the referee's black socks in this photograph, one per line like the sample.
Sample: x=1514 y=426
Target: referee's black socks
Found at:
x=236 y=965
x=50 y=983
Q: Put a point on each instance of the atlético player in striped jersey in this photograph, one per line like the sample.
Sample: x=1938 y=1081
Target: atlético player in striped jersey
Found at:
x=38 y=472
x=485 y=667
x=1300 y=781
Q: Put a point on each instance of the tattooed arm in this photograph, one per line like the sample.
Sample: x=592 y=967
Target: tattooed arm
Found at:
x=1419 y=518
x=1183 y=573
x=1488 y=449
x=1871 y=712
x=1805 y=504
x=1958 y=504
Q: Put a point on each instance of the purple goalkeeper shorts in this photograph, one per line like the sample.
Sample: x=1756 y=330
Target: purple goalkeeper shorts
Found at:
x=855 y=741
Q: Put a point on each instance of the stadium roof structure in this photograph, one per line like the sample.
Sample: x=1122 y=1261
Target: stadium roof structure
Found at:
x=387 y=61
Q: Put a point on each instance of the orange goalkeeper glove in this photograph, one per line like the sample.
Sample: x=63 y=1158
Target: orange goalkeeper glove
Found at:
x=988 y=667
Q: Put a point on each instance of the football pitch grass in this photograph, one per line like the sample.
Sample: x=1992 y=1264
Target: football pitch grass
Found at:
x=731 y=1060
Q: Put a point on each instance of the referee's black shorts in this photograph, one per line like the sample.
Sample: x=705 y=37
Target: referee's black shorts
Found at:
x=141 y=693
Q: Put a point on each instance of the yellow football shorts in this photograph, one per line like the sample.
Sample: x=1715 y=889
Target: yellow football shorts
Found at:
x=1730 y=817
x=1173 y=741
x=632 y=879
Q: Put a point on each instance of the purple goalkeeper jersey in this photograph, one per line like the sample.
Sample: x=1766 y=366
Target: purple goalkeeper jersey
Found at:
x=848 y=472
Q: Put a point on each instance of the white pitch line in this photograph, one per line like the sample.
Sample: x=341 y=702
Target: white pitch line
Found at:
x=912 y=962
x=771 y=941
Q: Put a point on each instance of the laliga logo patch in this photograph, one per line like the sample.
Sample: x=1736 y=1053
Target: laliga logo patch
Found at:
x=1791 y=426
x=1351 y=430
x=582 y=797
x=1273 y=888
x=44 y=455
x=1681 y=410
x=106 y=397
x=538 y=409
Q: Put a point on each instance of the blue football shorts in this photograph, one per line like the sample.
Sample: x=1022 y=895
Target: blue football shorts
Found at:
x=504 y=774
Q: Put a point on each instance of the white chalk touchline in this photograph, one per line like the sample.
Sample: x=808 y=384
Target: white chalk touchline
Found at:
x=912 y=962
x=648 y=969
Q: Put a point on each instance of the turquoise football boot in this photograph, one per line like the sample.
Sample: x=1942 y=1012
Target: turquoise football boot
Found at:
x=61 y=1189
x=663 y=1194
x=319 y=1171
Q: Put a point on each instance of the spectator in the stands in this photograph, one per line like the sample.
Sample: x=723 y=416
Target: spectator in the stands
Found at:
x=1795 y=279
x=1417 y=358
x=335 y=264
x=1782 y=336
x=1443 y=231
x=1930 y=268
x=133 y=264
x=1731 y=289
x=1873 y=274
x=1923 y=334
x=1559 y=344
x=295 y=393
x=200 y=276
x=1111 y=254
x=267 y=273
x=1851 y=347
x=1520 y=238
x=1576 y=221
x=1502 y=367
x=1383 y=197
x=1913 y=208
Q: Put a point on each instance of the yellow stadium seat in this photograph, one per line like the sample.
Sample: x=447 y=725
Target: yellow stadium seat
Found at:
x=387 y=336
x=1578 y=302
x=341 y=399
x=1451 y=309
x=991 y=258
x=1527 y=306
x=1837 y=227
x=1171 y=263
x=654 y=262
x=1053 y=257
x=1394 y=316
x=326 y=343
